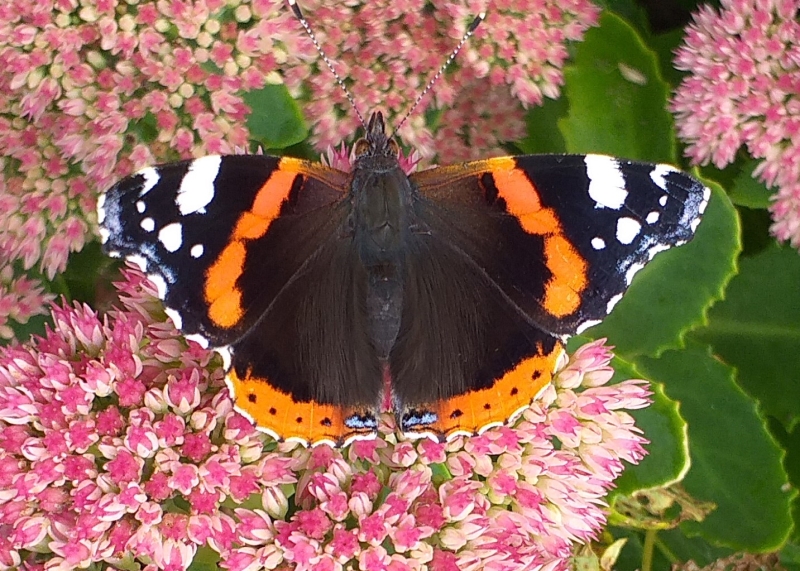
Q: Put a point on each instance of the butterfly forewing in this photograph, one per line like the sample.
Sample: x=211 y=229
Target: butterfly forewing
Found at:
x=191 y=226
x=561 y=235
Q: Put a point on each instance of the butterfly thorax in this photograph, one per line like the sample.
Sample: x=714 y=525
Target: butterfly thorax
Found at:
x=381 y=196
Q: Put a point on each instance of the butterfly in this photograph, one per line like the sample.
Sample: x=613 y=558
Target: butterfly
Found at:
x=445 y=295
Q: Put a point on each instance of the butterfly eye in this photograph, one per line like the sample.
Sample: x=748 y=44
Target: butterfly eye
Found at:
x=393 y=147
x=361 y=147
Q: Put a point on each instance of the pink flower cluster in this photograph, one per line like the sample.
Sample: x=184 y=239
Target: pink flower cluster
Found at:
x=744 y=90
x=386 y=51
x=119 y=444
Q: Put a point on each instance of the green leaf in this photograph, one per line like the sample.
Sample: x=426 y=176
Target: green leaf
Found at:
x=664 y=46
x=735 y=461
x=146 y=128
x=757 y=330
x=747 y=191
x=630 y=11
x=667 y=460
x=630 y=558
x=36 y=325
x=275 y=120
x=617 y=98
x=206 y=559
x=790 y=557
x=677 y=547
x=543 y=133
x=673 y=293
x=78 y=282
x=790 y=441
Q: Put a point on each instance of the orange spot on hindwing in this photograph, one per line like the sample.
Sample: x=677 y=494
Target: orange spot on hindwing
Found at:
x=567 y=268
x=221 y=290
x=277 y=413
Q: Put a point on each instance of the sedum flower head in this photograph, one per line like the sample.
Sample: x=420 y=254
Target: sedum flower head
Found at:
x=386 y=52
x=744 y=91
x=119 y=446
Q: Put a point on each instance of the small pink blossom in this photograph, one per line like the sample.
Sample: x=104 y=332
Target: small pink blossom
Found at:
x=20 y=297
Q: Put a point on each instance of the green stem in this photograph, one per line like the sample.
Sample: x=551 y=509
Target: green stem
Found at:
x=647 y=549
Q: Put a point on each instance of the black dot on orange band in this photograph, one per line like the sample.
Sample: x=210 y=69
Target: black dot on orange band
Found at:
x=536 y=375
x=299 y=420
x=252 y=398
x=456 y=413
x=272 y=411
x=487 y=406
x=326 y=422
x=514 y=391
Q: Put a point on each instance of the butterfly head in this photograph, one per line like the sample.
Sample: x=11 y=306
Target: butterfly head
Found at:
x=376 y=143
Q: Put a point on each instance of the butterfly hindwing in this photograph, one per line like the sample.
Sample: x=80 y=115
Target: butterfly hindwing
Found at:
x=466 y=357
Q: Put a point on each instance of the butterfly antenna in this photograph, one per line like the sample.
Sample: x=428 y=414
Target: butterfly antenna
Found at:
x=470 y=30
x=299 y=15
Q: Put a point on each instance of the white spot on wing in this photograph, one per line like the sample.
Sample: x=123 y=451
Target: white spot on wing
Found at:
x=101 y=208
x=197 y=187
x=225 y=353
x=658 y=173
x=627 y=229
x=171 y=236
x=140 y=206
x=612 y=302
x=490 y=425
x=632 y=272
x=586 y=325
x=663 y=200
x=653 y=217
x=706 y=196
x=174 y=316
x=148 y=224
x=651 y=253
x=606 y=183
x=161 y=285
x=104 y=235
x=598 y=243
x=197 y=250
x=150 y=180
x=139 y=261
x=199 y=339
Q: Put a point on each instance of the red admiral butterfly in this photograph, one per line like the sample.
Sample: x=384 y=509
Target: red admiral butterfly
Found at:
x=462 y=281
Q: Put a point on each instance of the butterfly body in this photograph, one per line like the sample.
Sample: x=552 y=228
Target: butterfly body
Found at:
x=460 y=284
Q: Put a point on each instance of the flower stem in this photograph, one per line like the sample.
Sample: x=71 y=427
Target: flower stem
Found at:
x=647 y=549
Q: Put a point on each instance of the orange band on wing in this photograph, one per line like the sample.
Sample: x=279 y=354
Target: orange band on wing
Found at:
x=508 y=396
x=277 y=413
x=567 y=267
x=221 y=292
